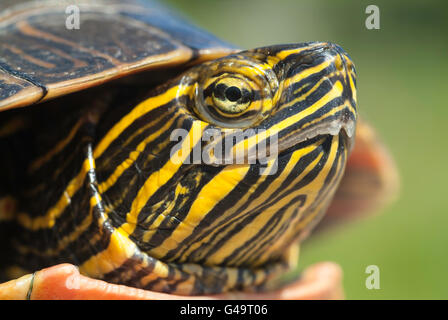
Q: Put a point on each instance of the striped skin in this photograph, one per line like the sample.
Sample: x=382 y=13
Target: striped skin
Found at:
x=107 y=195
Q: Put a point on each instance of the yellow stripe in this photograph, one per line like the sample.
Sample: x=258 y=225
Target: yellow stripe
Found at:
x=120 y=249
x=118 y=198
x=308 y=72
x=312 y=191
x=160 y=271
x=64 y=241
x=285 y=53
x=340 y=166
x=59 y=147
x=261 y=220
x=103 y=187
x=141 y=109
x=159 y=178
x=352 y=86
x=335 y=91
x=330 y=95
x=217 y=189
x=49 y=219
x=125 y=144
x=224 y=219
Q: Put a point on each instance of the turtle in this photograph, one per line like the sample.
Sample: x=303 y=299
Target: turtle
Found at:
x=149 y=153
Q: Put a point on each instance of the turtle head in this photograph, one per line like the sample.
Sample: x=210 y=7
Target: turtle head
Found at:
x=243 y=156
x=314 y=82
x=289 y=92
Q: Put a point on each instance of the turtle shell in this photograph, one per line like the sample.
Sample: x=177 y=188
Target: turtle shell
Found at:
x=44 y=55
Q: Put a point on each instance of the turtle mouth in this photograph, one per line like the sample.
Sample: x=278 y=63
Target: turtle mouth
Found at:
x=284 y=144
x=332 y=127
x=292 y=141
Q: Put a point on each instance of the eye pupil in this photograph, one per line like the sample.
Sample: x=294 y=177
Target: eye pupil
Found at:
x=233 y=93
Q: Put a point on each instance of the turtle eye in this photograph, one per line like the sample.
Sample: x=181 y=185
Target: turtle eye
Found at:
x=230 y=101
x=231 y=96
x=234 y=92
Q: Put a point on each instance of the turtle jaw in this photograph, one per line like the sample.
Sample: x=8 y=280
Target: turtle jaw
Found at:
x=339 y=126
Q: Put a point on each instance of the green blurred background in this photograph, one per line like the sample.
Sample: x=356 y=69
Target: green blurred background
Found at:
x=402 y=70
